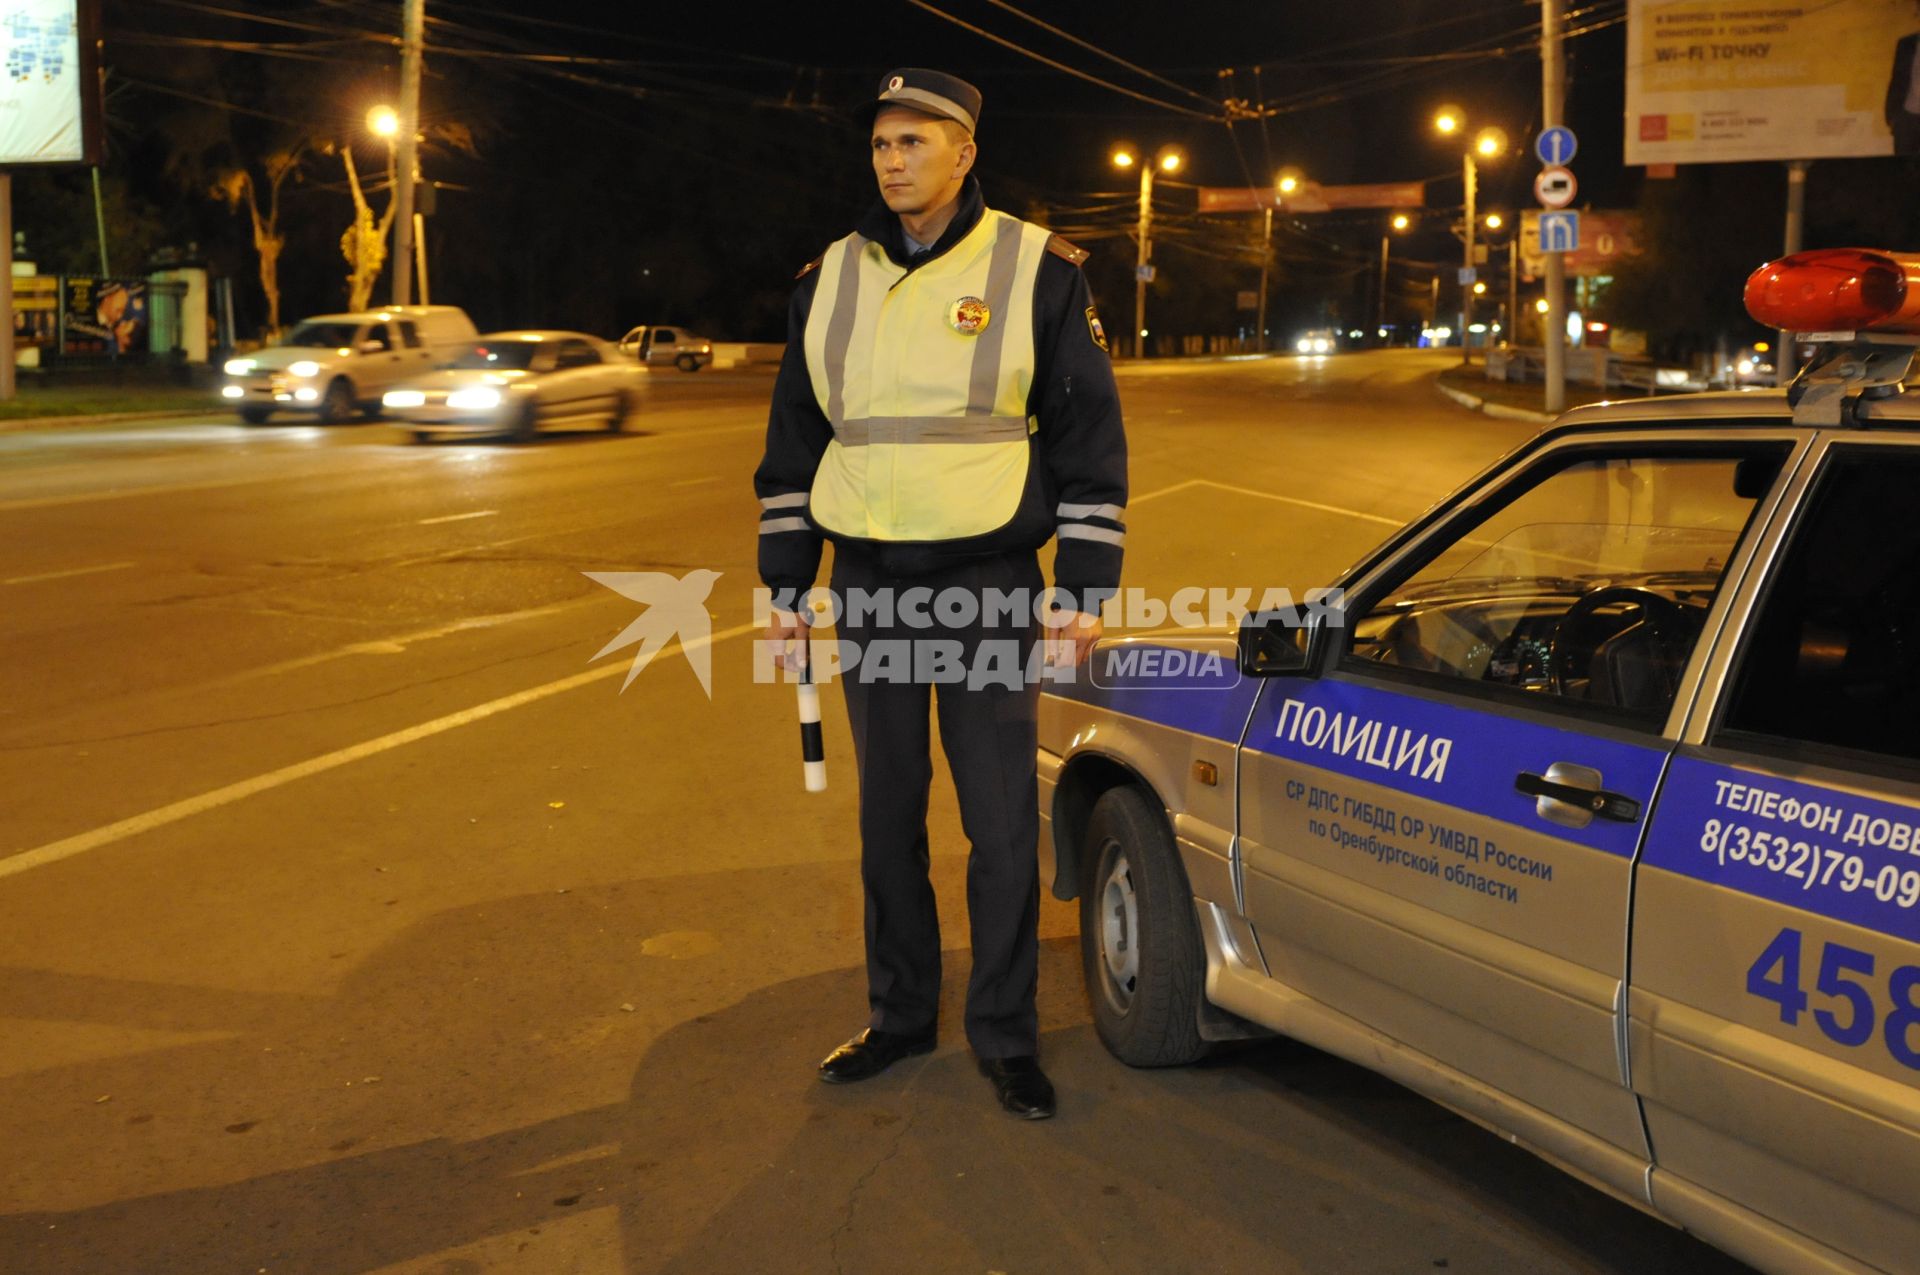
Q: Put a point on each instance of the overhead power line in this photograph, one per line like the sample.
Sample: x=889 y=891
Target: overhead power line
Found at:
x=1062 y=66
x=1068 y=36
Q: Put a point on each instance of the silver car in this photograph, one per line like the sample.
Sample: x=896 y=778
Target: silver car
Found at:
x=658 y=346
x=518 y=383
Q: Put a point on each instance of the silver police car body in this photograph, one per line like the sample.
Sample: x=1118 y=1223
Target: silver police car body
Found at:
x=1588 y=805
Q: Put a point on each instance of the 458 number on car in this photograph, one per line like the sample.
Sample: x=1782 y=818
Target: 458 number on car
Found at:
x=1858 y=998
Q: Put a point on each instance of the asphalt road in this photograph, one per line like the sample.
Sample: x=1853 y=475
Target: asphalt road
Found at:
x=353 y=918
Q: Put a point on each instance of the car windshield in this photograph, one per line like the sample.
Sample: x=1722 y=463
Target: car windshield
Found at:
x=322 y=335
x=1586 y=552
x=497 y=356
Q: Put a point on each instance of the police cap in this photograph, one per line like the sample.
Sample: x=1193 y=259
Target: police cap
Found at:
x=930 y=93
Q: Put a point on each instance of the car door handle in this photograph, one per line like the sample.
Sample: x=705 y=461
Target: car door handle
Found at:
x=1596 y=801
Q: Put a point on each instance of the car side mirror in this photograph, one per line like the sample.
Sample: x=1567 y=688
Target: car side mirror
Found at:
x=1281 y=643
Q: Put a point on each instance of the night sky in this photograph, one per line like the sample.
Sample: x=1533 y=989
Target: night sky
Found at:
x=686 y=161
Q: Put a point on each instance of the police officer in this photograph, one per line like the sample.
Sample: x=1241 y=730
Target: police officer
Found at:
x=945 y=406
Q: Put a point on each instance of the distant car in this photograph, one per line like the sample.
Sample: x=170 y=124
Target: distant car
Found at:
x=1318 y=341
x=518 y=383
x=657 y=346
x=333 y=365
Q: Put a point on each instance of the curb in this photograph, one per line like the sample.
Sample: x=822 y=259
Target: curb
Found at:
x=21 y=424
x=1474 y=403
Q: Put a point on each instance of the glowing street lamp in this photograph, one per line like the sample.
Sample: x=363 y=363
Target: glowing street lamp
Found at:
x=383 y=121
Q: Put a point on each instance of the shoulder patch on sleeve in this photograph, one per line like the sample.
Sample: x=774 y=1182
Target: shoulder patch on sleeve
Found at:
x=1094 y=330
x=811 y=266
x=1061 y=248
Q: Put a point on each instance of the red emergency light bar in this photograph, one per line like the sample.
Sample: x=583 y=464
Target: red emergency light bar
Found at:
x=1838 y=289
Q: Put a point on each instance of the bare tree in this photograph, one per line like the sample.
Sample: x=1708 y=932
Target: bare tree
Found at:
x=239 y=184
x=364 y=244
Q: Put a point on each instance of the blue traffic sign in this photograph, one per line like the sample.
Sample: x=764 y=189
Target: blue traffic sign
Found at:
x=1559 y=231
x=1555 y=146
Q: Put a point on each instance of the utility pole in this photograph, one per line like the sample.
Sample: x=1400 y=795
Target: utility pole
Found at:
x=1266 y=257
x=1553 y=103
x=1146 y=255
x=1786 y=355
x=412 y=35
x=1512 y=332
x=1471 y=173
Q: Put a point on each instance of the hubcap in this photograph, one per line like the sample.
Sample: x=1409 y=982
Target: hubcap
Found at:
x=1119 y=932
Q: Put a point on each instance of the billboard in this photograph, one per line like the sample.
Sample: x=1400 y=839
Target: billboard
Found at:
x=103 y=316
x=1715 y=81
x=1607 y=238
x=1312 y=197
x=49 y=82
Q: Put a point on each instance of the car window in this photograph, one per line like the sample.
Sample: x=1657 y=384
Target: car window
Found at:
x=578 y=354
x=1831 y=659
x=377 y=333
x=315 y=336
x=496 y=356
x=664 y=336
x=1582 y=584
x=409 y=335
x=545 y=358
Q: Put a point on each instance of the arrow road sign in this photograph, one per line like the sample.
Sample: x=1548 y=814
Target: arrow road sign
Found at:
x=1555 y=146
x=1559 y=231
x=1554 y=187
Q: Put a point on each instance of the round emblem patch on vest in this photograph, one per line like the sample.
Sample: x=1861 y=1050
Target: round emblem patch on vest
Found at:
x=969 y=316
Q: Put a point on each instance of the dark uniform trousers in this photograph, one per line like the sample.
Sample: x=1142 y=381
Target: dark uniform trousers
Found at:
x=990 y=737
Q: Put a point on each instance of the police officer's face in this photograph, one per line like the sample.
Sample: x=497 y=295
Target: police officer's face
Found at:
x=918 y=161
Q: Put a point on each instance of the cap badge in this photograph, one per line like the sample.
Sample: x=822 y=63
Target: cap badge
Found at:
x=969 y=316
x=897 y=83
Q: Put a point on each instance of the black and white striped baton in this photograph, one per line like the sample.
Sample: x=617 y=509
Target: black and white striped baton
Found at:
x=813 y=750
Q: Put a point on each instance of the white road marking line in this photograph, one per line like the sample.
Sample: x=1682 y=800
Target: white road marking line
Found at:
x=1164 y=491
x=68 y=847
x=391 y=645
x=62 y=575
x=1304 y=504
x=478 y=513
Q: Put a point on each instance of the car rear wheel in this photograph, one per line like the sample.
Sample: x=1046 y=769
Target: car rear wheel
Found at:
x=255 y=415
x=338 y=402
x=1139 y=946
x=687 y=363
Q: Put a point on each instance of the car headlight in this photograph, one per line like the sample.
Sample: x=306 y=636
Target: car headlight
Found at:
x=238 y=367
x=1322 y=346
x=468 y=399
x=1303 y=345
x=403 y=398
x=305 y=367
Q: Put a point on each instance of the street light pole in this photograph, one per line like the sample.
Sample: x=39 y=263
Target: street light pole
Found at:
x=1140 y=266
x=1553 y=92
x=1471 y=172
x=412 y=36
x=1266 y=257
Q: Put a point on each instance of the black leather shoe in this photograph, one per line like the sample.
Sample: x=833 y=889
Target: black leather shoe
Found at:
x=870 y=1053
x=1023 y=1088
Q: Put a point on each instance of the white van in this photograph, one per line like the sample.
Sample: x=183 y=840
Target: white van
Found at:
x=336 y=364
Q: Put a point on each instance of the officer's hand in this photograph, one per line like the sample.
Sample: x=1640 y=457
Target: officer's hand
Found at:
x=1070 y=637
x=787 y=633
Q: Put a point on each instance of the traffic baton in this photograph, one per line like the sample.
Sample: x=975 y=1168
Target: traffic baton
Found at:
x=813 y=752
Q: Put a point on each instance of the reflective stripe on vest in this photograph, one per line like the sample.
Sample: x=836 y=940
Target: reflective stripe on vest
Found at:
x=930 y=426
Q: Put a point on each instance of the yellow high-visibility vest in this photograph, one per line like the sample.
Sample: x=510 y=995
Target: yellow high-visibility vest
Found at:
x=924 y=375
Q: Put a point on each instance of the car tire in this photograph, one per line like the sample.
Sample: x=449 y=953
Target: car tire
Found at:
x=338 y=402
x=526 y=424
x=687 y=363
x=1139 y=946
x=255 y=415
x=623 y=409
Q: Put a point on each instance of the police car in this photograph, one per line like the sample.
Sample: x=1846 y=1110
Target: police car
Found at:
x=1588 y=804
